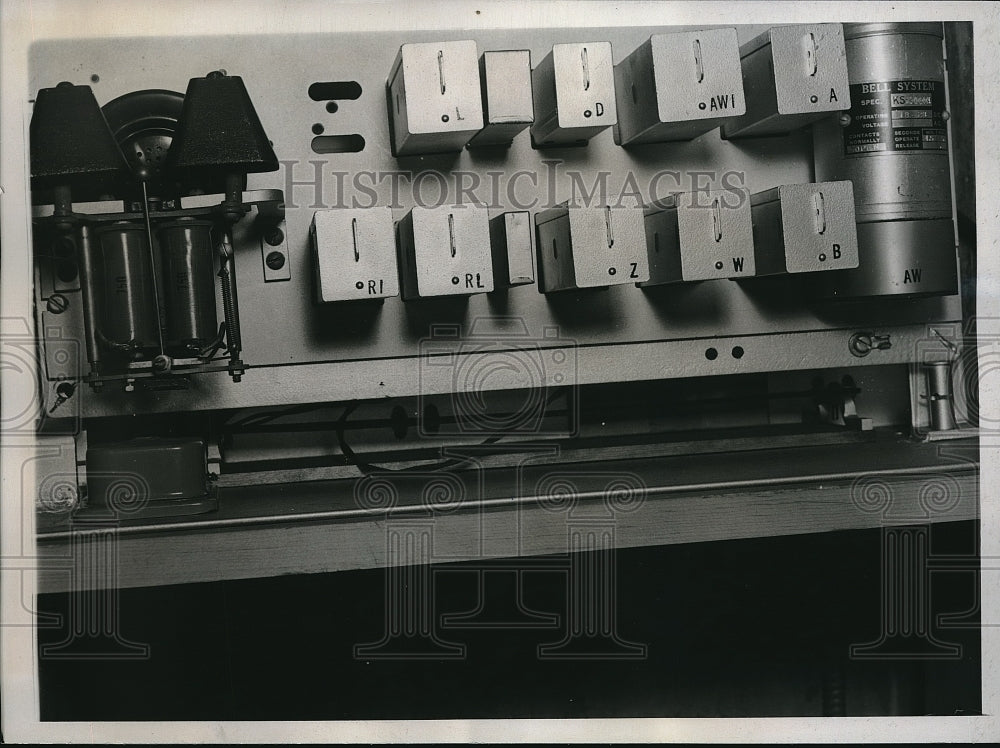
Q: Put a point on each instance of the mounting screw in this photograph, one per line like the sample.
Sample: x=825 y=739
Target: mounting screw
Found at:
x=863 y=343
x=64 y=391
x=860 y=344
x=162 y=364
x=275 y=260
x=57 y=303
x=274 y=236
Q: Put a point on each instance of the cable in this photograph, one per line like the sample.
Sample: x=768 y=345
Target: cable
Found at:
x=217 y=343
x=368 y=468
x=341 y=425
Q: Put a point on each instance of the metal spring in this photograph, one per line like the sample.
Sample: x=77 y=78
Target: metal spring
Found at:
x=230 y=308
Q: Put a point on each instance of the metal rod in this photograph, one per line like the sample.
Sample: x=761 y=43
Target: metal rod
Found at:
x=79 y=234
x=230 y=304
x=233 y=211
x=88 y=297
x=507 y=502
x=152 y=265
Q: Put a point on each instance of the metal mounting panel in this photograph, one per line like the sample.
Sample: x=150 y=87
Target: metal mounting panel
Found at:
x=299 y=350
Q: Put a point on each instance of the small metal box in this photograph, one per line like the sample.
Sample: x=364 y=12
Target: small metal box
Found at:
x=678 y=86
x=435 y=97
x=590 y=247
x=510 y=237
x=805 y=228
x=574 y=94
x=792 y=76
x=354 y=251
x=507 y=104
x=445 y=251
x=695 y=236
x=149 y=477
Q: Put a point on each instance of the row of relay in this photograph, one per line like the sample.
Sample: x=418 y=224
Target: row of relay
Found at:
x=443 y=96
x=693 y=236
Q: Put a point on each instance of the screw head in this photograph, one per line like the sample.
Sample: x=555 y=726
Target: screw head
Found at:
x=57 y=303
x=860 y=344
x=274 y=236
x=275 y=260
x=162 y=363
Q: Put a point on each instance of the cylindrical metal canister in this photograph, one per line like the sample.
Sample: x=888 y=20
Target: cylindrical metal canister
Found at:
x=939 y=395
x=188 y=284
x=129 y=317
x=893 y=146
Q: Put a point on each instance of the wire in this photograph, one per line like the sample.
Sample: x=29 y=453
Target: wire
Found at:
x=341 y=425
x=213 y=347
x=256 y=419
x=368 y=468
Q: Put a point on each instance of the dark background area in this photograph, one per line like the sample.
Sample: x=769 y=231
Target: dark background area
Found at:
x=738 y=628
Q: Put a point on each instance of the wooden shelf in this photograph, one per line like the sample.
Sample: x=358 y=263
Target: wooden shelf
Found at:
x=323 y=526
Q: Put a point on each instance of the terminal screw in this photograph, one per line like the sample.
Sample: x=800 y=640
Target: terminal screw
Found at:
x=57 y=303
x=274 y=236
x=64 y=391
x=275 y=260
x=162 y=364
x=863 y=343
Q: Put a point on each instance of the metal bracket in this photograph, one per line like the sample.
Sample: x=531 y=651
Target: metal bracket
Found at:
x=836 y=405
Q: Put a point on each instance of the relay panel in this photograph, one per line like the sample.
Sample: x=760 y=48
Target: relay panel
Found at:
x=216 y=229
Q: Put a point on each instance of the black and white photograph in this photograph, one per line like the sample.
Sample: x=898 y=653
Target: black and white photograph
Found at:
x=501 y=371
